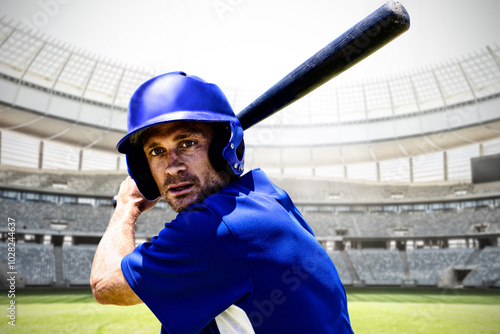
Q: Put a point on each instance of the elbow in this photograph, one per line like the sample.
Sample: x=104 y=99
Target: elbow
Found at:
x=101 y=294
x=98 y=298
x=110 y=292
x=104 y=290
x=105 y=295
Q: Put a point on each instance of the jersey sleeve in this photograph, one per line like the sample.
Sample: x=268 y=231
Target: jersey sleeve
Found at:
x=191 y=272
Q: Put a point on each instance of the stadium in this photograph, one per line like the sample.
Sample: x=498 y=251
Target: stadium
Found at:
x=398 y=176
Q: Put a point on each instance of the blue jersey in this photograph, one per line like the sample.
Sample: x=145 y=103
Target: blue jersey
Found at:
x=244 y=259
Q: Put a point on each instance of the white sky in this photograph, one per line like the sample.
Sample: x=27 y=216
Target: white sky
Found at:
x=254 y=43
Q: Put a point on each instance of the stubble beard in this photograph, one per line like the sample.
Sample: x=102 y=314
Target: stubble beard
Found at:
x=214 y=182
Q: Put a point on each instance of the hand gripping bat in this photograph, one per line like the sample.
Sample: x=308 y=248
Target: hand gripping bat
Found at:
x=361 y=40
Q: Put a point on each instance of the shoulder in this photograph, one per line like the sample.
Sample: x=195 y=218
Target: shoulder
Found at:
x=254 y=184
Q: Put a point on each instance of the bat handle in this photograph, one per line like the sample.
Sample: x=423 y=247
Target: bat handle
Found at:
x=114 y=200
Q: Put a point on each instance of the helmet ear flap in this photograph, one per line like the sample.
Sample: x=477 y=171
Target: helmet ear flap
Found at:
x=222 y=153
x=222 y=133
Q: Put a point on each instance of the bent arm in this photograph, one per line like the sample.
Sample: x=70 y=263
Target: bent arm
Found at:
x=108 y=284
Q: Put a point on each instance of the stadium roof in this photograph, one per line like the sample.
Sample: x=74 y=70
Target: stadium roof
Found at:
x=254 y=43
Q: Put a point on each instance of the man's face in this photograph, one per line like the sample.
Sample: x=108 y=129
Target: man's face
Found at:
x=177 y=154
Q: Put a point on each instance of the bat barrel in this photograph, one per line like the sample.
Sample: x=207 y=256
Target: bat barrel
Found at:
x=357 y=43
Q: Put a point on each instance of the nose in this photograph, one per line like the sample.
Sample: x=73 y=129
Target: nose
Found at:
x=175 y=164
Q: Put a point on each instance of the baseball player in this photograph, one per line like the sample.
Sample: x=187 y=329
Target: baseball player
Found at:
x=238 y=257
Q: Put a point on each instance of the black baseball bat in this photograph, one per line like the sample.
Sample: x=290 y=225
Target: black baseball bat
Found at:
x=357 y=43
x=354 y=45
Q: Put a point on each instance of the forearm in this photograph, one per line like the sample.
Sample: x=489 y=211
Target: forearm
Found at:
x=107 y=281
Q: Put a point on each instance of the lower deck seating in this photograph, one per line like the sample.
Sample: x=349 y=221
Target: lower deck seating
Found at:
x=341 y=266
x=427 y=265
x=487 y=269
x=77 y=263
x=34 y=262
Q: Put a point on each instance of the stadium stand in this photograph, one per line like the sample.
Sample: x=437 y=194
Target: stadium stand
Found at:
x=494 y=219
x=427 y=265
x=34 y=262
x=76 y=263
x=420 y=255
x=343 y=269
x=361 y=266
x=484 y=269
x=385 y=265
x=439 y=223
x=62 y=182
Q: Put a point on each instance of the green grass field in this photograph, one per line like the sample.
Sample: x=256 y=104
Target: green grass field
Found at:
x=371 y=310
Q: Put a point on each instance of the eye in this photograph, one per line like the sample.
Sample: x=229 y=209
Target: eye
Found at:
x=156 y=151
x=187 y=143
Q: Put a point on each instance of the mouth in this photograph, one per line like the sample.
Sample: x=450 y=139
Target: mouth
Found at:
x=180 y=188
